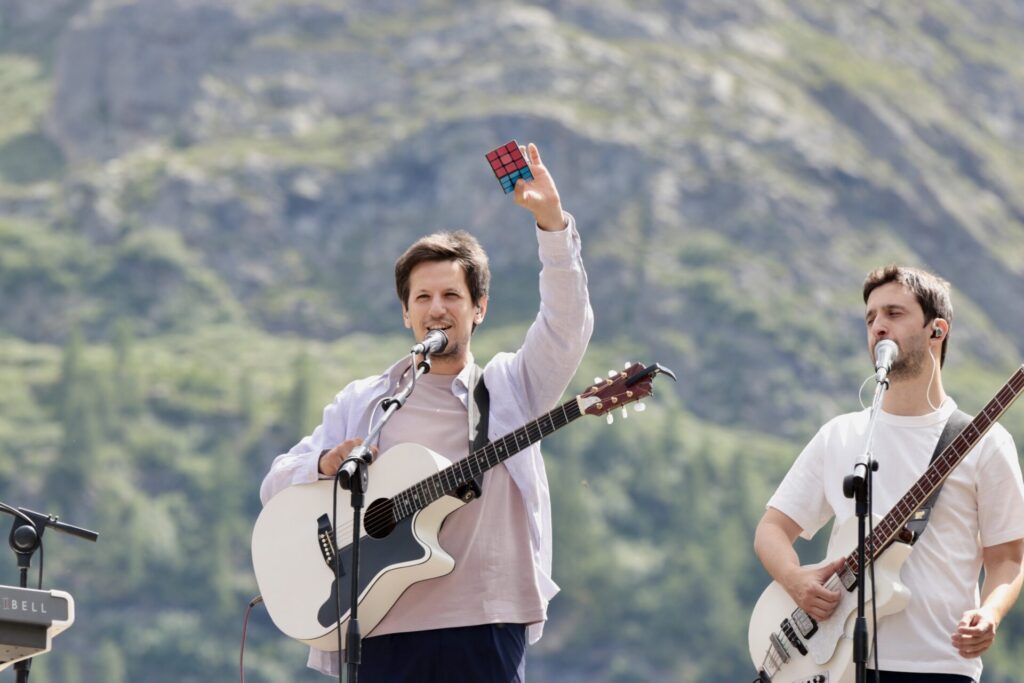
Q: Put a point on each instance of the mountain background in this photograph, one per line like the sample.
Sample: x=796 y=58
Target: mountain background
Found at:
x=201 y=202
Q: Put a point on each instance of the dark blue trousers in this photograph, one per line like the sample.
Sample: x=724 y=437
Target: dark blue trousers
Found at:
x=906 y=677
x=490 y=653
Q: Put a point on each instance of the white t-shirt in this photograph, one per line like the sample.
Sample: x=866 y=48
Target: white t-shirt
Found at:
x=981 y=505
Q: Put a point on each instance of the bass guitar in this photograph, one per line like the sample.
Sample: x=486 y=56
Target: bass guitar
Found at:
x=787 y=645
x=413 y=490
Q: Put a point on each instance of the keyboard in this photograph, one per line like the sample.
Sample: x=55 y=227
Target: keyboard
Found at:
x=29 y=619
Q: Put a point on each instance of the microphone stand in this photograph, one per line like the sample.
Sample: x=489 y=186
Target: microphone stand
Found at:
x=858 y=486
x=354 y=476
x=25 y=538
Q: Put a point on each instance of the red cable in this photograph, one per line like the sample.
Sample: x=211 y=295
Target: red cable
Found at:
x=245 y=625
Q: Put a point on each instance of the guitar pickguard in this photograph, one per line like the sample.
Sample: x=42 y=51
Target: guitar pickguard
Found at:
x=823 y=645
x=400 y=548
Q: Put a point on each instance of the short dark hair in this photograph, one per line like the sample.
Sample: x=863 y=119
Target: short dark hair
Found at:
x=458 y=246
x=931 y=291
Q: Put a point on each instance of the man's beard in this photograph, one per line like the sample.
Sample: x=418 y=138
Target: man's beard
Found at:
x=454 y=348
x=910 y=363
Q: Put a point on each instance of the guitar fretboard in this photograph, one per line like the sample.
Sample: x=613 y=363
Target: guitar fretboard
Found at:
x=894 y=522
x=484 y=458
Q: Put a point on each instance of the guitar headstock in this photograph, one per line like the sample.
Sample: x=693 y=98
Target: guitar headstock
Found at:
x=631 y=385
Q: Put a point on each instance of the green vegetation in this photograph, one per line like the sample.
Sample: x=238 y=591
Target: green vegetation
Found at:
x=26 y=94
x=26 y=155
x=653 y=514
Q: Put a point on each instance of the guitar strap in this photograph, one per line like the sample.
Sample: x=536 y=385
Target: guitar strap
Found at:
x=478 y=406
x=954 y=425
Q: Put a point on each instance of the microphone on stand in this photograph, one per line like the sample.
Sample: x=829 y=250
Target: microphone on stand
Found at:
x=886 y=353
x=434 y=342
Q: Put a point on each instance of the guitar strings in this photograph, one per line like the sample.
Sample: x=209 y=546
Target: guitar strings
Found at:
x=533 y=432
x=529 y=430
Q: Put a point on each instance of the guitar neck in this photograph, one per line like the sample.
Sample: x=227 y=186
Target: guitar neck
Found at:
x=895 y=521
x=479 y=461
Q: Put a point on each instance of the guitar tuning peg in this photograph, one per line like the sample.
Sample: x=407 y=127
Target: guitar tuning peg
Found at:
x=598 y=380
x=625 y=415
x=609 y=418
x=612 y=373
x=627 y=365
x=640 y=407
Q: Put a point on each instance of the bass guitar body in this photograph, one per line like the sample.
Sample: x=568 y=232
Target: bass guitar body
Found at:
x=780 y=632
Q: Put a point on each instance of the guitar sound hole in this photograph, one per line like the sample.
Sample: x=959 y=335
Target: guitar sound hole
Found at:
x=380 y=518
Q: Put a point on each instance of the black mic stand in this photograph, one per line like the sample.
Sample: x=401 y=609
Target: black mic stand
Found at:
x=858 y=486
x=354 y=476
x=25 y=538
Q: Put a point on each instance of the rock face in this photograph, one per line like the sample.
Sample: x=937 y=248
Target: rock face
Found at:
x=128 y=74
x=735 y=167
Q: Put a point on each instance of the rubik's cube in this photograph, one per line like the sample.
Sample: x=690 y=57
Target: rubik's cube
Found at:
x=508 y=165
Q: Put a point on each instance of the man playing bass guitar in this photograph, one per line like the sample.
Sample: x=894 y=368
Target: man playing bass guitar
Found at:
x=977 y=521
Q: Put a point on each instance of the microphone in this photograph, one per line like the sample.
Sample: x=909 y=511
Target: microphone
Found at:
x=434 y=342
x=886 y=353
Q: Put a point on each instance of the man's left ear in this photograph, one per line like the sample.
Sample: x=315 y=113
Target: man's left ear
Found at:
x=481 y=311
x=405 y=318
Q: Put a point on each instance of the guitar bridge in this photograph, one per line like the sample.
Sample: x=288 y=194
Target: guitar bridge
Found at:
x=325 y=539
x=780 y=650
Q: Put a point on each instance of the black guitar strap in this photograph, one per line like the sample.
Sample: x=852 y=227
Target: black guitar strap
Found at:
x=479 y=407
x=954 y=425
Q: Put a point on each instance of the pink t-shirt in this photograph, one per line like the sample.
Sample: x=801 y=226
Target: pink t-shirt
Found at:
x=494 y=578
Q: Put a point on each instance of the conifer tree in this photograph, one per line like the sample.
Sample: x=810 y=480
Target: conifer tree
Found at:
x=127 y=389
x=81 y=426
x=299 y=406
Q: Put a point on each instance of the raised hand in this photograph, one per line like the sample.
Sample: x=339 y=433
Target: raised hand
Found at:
x=540 y=196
